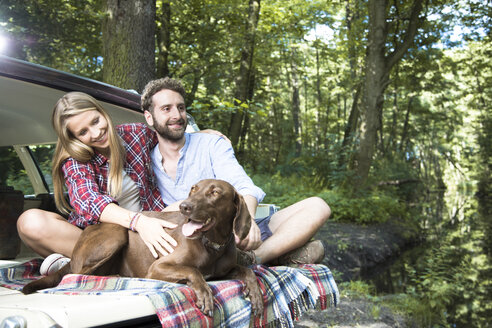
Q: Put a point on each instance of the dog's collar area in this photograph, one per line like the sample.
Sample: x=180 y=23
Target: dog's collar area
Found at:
x=215 y=246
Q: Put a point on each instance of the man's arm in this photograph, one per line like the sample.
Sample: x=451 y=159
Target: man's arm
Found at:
x=251 y=203
x=253 y=239
x=226 y=167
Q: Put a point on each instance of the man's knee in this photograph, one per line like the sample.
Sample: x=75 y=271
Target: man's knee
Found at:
x=314 y=209
x=322 y=208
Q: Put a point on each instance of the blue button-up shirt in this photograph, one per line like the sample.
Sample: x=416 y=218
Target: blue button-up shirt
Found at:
x=203 y=156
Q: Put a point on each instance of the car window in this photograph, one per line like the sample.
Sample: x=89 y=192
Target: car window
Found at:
x=43 y=154
x=13 y=173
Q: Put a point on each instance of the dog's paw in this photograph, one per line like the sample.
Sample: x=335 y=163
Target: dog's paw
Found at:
x=252 y=291
x=205 y=299
x=256 y=299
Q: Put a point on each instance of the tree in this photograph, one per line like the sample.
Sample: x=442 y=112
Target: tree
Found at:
x=245 y=71
x=59 y=34
x=377 y=69
x=163 y=38
x=129 y=43
x=296 y=107
x=352 y=20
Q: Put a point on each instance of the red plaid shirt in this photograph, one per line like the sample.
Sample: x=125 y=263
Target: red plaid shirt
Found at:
x=87 y=182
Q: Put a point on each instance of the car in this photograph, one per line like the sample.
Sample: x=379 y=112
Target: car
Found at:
x=28 y=93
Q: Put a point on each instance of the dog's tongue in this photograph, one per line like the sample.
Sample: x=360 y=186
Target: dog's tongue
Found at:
x=190 y=227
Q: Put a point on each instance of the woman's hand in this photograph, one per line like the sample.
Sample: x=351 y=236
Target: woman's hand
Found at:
x=152 y=232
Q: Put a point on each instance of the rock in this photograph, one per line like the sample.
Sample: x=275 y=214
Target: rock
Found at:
x=353 y=312
x=351 y=250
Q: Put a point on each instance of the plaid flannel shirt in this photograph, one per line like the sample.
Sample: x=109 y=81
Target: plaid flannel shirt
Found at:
x=87 y=182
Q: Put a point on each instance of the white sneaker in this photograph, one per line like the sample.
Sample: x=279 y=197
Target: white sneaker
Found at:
x=52 y=264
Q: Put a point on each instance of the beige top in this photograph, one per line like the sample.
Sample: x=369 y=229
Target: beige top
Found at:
x=129 y=198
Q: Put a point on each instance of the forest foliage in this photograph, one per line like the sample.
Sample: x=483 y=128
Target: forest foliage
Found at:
x=376 y=106
x=314 y=110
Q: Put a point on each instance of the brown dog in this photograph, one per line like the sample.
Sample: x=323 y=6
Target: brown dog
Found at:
x=206 y=249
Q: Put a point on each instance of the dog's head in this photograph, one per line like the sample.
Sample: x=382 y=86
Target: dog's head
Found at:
x=215 y=203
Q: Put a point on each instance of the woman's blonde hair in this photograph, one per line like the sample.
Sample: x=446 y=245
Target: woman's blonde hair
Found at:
x=71 y=104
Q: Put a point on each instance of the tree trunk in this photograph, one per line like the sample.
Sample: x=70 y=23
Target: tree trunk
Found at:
x=319 y=102
x=350 y=128
x=374 y=85
x=246 y=122
x=378 y=67
x=296 y=108
x=164 y=41
x=390 y=144
x=243 y=79
x=277 y=139
x=190 y=96
x=352 y=14
x=404 y=133
x=129 y=43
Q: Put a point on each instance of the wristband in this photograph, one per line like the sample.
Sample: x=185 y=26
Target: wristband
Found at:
x=133 y=221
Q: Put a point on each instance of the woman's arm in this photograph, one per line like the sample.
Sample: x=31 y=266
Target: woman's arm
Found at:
x=151 y=230
x=91 y=205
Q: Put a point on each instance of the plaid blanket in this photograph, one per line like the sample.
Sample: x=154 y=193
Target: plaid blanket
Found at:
x=287 y=293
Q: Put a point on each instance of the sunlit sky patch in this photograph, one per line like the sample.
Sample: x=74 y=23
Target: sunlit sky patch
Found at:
x=3 y=44
x=321 y=32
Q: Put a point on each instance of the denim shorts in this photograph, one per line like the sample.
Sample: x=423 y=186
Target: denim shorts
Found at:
x=263 y=225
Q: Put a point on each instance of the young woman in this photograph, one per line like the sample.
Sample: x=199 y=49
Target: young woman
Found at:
x=108 y=176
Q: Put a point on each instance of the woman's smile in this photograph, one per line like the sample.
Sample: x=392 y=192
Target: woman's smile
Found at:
x=102 y=139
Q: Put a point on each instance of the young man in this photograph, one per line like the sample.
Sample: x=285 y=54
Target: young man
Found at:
x=181 y=159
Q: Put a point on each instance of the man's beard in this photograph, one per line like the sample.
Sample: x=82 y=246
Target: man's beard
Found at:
x=173 y=135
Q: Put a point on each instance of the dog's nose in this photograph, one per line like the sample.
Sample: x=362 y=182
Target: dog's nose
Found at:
x=186 y=208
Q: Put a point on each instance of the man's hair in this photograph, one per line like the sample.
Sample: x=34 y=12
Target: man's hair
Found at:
x=155 y=86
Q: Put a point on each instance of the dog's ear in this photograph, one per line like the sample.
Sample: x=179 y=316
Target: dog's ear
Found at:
x=242 y=220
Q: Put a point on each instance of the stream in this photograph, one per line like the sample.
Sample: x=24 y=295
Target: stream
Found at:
x=451 y=273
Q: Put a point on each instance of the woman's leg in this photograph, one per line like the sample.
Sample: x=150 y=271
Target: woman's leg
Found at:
x=47 y=232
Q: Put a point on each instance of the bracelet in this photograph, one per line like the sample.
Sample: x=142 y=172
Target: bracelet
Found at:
x=134 y=220
x=131 y=216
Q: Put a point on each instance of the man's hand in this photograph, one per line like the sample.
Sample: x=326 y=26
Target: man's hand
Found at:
x=252 y=240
